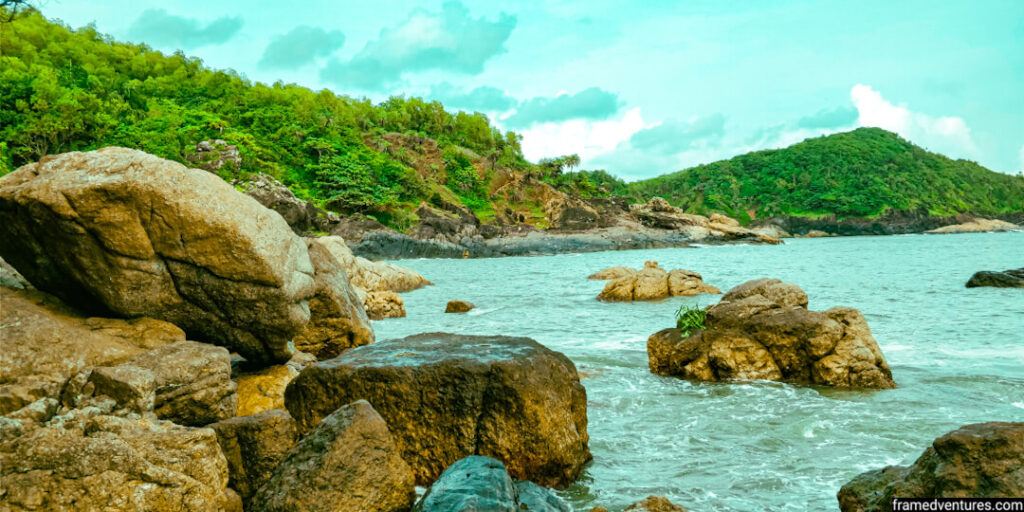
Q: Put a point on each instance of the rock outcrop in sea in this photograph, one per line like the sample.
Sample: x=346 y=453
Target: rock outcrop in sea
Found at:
x=984 y=460
x=1013 y=278
x=763 y=330
x=649 y=283
x=975 y=225
x=458 y=306
x=447 y=396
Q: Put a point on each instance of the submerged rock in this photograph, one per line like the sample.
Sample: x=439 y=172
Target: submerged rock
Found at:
x=478 y=484
x=338 y=319
x=984 y=460
x=87 y=460
x=254 y=446
x=120 y=231
x=650 y=283
x=446 y=396
x=1013 y=278
x=348 y=462
x=762 y=329
x=55 y=342
x=458 y=306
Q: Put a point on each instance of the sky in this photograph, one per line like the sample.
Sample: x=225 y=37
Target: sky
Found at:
x=636 y=88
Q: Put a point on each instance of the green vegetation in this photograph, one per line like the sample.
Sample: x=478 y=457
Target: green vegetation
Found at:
x=861 y=173
x=67 y=90
x=690 y=319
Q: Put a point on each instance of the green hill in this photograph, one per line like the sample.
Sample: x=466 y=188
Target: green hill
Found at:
x=67 y=90
x=862 y=173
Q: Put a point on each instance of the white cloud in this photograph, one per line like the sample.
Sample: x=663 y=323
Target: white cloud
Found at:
x=584 y=137
x=948 y=135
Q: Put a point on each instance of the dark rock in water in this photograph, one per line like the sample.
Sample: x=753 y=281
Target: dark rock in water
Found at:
x=655 y=504
x=1007 y=279
x=118 y=232
x=458 y=306
x=447 y=396
x=254 y=446
x=349 y=462
x=762 y=330
x=890 y=223
x=984 y=460
x=481 y=484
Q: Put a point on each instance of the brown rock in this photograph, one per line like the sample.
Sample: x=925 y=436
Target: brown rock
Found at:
x=650 y=283
x=254 y=446
x=338 y=320
x=372 y=276
x=381 y=305
x=193 y=382
x=447 y=396
x=569 y=213
x=54 y=342
x=349 y=462
x=264 y=390
x=655 y=504
x=86 y=461
x=762 y=330
x=977 y=225
x=458 y=306
x=984 y=460
x=118 y=231
x=302 y=216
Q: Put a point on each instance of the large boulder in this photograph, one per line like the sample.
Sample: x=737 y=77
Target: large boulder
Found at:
x=481 y=484
x=381 y=305
x=118 y=231
x=762 y=329
x=984 y=460
x=650 y=283
x=349 y=462
x=1013 y=278
x=46 y=342
x=338 y=319
x=446 y=396
x=254 y=446
x=88 y=460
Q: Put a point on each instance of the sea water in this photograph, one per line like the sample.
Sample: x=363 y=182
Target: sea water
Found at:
x=956 y=353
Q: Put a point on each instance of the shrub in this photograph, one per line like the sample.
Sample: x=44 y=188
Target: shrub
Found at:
x=690 y=319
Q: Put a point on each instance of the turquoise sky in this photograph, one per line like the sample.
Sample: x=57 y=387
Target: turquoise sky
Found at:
x=637 y=88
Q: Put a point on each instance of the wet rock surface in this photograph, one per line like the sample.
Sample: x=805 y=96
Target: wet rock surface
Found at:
x=1013 y=278
x=984 y=460
x=447 y=396
x=762 y=329
x=118 y=232
x=263 y=390
x=478 y=484
x=348 y=462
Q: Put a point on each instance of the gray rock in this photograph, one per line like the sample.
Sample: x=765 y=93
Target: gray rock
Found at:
x=481 y=484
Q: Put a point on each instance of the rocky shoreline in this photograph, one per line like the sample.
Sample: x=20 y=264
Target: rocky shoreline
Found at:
x=170 y=344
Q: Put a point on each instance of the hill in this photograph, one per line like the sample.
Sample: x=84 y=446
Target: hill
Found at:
x=68 y=90
x=866 y=172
